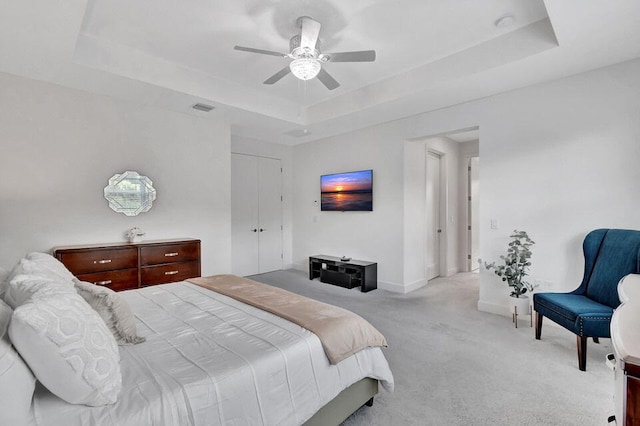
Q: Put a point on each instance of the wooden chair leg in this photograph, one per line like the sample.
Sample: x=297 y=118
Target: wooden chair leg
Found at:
x=582 y=352
x=538 y=325
x=596 y=340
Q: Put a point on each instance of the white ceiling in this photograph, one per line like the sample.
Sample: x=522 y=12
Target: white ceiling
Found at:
x=430 y=54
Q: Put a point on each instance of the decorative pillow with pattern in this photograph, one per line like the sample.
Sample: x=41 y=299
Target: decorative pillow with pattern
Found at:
x=114 y=311
x=68 y=347
x=16 y=380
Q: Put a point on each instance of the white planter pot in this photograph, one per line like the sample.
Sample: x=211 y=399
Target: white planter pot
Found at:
x=521 y=304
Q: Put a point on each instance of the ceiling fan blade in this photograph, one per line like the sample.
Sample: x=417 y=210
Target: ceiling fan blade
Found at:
x=360 y=56
x=310 y=30
x=277 y=76
x=327 y=80
x=263 y=52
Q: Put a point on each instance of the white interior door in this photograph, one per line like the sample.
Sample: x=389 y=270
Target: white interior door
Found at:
x=256 y=215
x=270 y=207
x=433 y=215
x=474 y=210
x=244 y=215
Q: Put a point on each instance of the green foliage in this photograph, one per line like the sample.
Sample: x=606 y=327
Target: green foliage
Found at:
x=516 y=263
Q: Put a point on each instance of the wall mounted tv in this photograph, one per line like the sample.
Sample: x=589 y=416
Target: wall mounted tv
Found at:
x=351 y=191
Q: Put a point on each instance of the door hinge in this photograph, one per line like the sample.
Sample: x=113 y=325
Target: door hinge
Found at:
x=281 y=199
x=469 y=256
x=281 y=169
x=469 y=168
x=281 y=256
x=469 y=227
x=469 y=197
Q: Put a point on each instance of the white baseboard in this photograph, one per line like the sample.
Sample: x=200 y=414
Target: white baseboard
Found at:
x=493 y=308
x=394 y=287
x=452 y=271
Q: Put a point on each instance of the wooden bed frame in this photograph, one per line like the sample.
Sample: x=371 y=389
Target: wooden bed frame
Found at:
x=346 y=403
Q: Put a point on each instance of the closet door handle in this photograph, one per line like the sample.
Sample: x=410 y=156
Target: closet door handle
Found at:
x=254 y=230
x=262 y=230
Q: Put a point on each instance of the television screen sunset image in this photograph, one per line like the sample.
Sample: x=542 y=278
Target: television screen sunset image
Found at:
x=352 y=191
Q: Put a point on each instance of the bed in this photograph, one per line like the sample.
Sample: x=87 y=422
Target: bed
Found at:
x=211 y=360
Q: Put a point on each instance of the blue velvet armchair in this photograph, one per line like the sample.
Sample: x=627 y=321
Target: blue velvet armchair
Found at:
x=609 y=255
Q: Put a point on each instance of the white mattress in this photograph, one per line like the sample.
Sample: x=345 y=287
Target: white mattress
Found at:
x=210 y=360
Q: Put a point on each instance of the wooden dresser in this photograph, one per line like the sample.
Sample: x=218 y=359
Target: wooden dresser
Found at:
x=124 y=266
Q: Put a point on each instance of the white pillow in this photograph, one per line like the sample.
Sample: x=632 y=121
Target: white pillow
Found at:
x=68 y=347
x=40 y=264
x=113 y=310
x=22 y=288
x=4 y=274
x=16 y=380
x=47 y=266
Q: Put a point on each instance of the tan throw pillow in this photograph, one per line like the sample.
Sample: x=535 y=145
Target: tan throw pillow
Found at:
x=113 y=310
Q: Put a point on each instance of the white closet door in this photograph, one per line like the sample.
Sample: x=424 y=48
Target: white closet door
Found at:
x=244 y=215
x=256 y=215
x=270 y=207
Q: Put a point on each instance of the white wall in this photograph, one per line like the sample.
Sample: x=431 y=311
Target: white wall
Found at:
x=375 y=235
x=59 y=147
x=415 y=211
x=284 y=153
x=558 y=160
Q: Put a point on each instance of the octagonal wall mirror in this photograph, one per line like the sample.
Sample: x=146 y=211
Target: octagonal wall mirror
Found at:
x=130 y=193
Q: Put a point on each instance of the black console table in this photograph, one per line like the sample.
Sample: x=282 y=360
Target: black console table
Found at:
x=351 y=273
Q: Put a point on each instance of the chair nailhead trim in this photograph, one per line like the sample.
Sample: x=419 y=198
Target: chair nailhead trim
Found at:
x=581 y=319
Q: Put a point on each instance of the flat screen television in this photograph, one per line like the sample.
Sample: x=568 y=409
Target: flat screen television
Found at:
x=351 y=191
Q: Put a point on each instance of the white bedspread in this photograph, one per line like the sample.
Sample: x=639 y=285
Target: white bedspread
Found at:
x=210 y=360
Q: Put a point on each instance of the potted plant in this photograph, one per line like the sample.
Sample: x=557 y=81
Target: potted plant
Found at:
x=135 y=235
x=514 y=269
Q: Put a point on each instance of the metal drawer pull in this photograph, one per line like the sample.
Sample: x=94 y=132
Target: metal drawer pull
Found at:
x=175 y=253
x=102 y=261
x=171 y=272
x=107 y=282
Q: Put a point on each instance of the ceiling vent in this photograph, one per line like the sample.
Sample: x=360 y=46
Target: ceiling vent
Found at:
x=203 y=107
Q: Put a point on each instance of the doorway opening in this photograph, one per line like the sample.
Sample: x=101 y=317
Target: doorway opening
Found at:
x=434 y=194
x=473 y=214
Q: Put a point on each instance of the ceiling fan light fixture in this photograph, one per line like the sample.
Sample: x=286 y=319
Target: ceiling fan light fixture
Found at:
x=305 y=68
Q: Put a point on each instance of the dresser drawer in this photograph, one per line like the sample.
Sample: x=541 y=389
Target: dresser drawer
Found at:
x=123 y=279
x=90 y=261
x=151 y=275
x=169 y=253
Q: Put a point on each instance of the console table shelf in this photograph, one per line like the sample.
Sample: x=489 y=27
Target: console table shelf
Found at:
x=349 y=274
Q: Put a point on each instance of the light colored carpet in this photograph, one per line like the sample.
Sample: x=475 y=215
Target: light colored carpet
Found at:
x=454 y=365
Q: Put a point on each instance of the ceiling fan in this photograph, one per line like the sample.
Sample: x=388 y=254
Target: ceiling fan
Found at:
x=307 y=58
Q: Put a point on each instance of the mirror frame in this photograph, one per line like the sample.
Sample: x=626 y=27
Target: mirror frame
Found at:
x=124 y=200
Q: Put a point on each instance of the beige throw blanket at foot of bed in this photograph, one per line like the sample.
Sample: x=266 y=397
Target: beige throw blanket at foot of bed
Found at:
x=341 y=332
